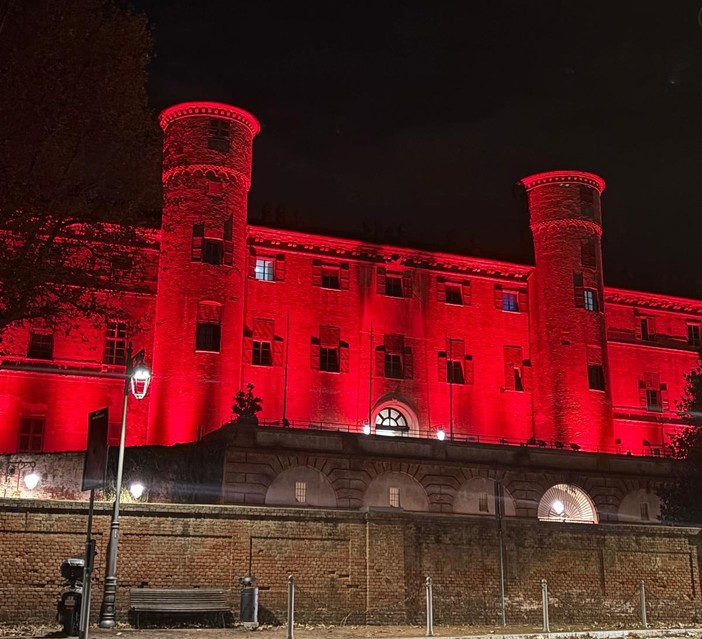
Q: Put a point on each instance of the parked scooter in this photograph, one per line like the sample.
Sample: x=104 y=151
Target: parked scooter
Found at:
x=72 y=570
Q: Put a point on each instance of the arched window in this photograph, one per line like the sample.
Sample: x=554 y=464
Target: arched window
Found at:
x=567 y=503
x=390 y=421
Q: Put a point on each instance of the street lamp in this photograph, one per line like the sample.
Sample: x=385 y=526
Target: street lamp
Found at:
x=136 y=378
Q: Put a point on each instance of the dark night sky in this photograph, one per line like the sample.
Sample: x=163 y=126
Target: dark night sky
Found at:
x=425 y=114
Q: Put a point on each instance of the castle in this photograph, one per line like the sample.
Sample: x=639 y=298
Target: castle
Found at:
x=348 y=335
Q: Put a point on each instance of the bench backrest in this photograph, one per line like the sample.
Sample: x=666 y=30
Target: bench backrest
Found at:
x=153 y=597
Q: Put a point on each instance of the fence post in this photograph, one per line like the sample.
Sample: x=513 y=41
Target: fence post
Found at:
x=642 y=593
x=291 y=607
x=544 y=603
x=430 y=609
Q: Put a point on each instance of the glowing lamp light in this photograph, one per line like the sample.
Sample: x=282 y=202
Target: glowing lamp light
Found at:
x=366 y=429
x=558 y=507
x=440 y=434
x=140 y=380
x=31 y=480
x=136 y=489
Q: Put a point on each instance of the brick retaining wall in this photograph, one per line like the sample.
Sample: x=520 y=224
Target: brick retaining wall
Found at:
x=357 y=566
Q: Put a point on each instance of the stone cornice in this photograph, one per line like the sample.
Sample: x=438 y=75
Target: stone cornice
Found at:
x=563 y=177
x=565 y=224
x=653 y=301
x=219 y=170
x=322 y=245
x=217 y=109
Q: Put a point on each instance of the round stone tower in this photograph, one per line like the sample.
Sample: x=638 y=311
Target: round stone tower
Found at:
x=198 y=330
x=571 y=390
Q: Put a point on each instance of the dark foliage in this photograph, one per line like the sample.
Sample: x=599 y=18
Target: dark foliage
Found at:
x=681 y=498
x=246 y=405
x=79 y=153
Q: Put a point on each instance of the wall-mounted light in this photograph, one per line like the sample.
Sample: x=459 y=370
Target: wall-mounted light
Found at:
x=31 y=480
x=136 y=489
x=366 y=428
x=23 y=470
x=440 y=434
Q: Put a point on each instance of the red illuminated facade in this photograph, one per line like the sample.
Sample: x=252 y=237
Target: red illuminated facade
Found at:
x=342 y=334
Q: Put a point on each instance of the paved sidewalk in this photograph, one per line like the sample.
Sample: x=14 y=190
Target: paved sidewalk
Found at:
x=303 y=631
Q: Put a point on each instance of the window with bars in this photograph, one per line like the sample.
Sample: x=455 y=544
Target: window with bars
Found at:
x=693 y=335
x=219 y=130
x=301 y=492
x=31 y=434
x=394 y=497
x=209 y=330
x=41 y=345
x=483 y=506
x=115 y=343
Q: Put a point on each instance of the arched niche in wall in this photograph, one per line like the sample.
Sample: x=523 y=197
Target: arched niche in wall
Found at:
x=394 y=417
x=640 y=507
x=567 y=503
x=396 y=490
x=301 y=486
x=477 y=497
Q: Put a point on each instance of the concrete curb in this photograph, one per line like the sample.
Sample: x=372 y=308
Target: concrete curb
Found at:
x=594 y=634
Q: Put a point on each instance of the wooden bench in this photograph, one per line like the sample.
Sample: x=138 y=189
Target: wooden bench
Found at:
x=178 y=601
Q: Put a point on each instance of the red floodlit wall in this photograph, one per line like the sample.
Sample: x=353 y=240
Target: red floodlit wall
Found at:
x=486 y=351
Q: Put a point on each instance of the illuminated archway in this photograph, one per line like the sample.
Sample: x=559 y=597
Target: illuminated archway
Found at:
x=393 y=417
x=567 y=503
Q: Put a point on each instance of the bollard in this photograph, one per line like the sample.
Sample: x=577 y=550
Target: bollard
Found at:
x=291 y=607
x=430 y=609
x=544 y=602
x=642 y=592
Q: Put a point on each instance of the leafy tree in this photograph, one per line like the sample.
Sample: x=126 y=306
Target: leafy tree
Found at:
x=681 y=498
x=78 y=153
x=246 y=405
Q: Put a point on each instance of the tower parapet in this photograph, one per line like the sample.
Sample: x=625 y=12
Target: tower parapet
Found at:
x=202 y=270
x=572 y=399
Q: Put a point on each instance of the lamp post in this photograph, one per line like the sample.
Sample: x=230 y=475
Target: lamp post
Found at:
x=136 y=379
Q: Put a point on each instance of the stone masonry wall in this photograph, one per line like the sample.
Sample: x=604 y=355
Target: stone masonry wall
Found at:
x=356 y=566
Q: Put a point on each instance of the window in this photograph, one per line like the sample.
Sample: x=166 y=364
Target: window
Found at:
x=265 y=269
x=455 y=367
x=644 y=512
x=215 y=187
x=483 y=503
x=31 y=434
x=301 y=492
x=394 y=284
x=41 y=345
x=595 y=377
x=394 y=496
x=212 y=252
x=590 y=300
x=330 y=277
x=262 y=347
x=653 y=399
x=391 y=421
x=209 y=334
x=115 y=343
x=393 y=359
x=693 y=335
x=513 y=368
x=327 y=352
x=453 y=292
x=510 y=301
x=262 y=354
x=218 y=135
x=646 y=329
x=652 y=394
